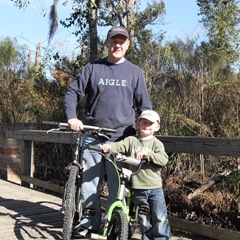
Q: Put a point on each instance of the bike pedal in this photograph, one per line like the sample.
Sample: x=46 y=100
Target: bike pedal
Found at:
x=97 y=236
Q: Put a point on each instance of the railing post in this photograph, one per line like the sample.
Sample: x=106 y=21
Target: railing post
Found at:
x=27 y=160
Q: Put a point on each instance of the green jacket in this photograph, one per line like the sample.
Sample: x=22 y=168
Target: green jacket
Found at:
x=150 y=175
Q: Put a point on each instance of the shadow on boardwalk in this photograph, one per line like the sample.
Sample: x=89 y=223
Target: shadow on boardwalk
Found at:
x=29 y=214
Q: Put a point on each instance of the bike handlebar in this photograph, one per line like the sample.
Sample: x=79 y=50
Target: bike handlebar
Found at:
x=118 y=156
x=85 y=127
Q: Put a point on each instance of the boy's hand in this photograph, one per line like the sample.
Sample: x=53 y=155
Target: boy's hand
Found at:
x=142 y=155
x=105 y=148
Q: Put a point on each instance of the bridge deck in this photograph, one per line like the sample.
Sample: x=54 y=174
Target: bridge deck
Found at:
x=29 y=214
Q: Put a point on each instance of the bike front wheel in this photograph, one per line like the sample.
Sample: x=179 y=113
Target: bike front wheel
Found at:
x=69 y=207
x=118 y=226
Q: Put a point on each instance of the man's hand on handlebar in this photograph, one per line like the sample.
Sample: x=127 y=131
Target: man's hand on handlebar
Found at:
x=75 y=124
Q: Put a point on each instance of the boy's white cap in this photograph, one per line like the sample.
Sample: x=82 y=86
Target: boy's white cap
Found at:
x=150 y=115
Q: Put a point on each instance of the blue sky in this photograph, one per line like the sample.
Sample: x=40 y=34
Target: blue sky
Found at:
x=30 y=27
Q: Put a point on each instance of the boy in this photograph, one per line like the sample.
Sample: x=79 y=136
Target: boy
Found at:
x=147 y=184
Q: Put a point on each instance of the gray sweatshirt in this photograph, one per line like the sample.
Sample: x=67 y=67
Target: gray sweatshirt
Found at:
x=150 y=175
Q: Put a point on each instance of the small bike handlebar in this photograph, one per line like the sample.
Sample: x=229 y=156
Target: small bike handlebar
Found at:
x=118 y=156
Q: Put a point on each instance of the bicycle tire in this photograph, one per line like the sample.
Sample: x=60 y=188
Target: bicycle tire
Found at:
x=132 y=225
x=132 y=228
x=118 y=226
x=69 y=208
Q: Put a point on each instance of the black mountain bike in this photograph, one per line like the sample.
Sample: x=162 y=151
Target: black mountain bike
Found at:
x=71 y=201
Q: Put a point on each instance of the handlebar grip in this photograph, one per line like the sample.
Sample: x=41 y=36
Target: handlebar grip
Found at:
x=50 y=123
x=55 y=123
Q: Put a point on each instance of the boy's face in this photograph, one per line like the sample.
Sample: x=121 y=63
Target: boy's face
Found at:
x=147 y=128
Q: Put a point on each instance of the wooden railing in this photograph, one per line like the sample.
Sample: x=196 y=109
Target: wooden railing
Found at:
x=174 y=144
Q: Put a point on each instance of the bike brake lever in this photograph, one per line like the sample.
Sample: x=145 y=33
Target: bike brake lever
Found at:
x=54 y=129
x=103 y=135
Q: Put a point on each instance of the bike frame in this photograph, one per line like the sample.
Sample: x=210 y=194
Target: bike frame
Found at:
x=123 y=203
x=124 y=196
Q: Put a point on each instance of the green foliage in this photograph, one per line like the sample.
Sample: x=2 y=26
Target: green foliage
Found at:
x=13 y=84
x=8 y=53
x=26 y=94
x=192 y=85
x=194 y=92
x=221 y=19
x=149 y=15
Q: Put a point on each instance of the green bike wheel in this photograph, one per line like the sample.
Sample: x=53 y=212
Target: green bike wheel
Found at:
x=118 y=226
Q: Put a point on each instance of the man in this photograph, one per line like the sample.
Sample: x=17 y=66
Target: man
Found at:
x=113 y=87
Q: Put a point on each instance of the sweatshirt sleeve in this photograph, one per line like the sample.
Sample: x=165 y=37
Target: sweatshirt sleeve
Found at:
x=122 y=146
x=142 y=99
x=158 y=156
x=75 y=93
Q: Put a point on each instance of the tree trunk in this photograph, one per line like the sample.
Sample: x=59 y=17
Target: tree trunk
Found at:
x=208 y=185
x=94 y=5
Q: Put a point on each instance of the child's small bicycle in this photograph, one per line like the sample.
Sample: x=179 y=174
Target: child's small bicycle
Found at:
x=121 y=218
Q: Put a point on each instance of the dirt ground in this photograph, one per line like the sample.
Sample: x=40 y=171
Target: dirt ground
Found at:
x=215 y=207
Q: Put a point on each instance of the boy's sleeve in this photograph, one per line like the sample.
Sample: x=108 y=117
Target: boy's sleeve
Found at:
x=121 y=146
x=159 y=156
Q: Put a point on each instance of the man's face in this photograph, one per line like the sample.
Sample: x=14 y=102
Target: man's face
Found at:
x=117 y=47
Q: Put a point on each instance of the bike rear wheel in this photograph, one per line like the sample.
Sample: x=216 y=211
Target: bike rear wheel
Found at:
x=69 y=208
x=118 y=226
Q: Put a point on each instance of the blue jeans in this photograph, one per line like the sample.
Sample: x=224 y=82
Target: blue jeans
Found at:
x=153 y=222
x=94 y=168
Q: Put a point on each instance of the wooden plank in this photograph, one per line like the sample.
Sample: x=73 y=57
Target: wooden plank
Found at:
x=203 y=230
x=202 y=145
x=18 y=220
x=187 y=144
x=42 y=136
x=27 y=160
x=43 y=184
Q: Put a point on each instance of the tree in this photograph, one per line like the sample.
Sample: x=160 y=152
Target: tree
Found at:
x=221 y=19
x=13 y=72
x=26 y=94
x=88 y=16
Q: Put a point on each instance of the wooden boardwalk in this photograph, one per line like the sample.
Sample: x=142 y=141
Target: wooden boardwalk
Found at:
x=29 y=214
